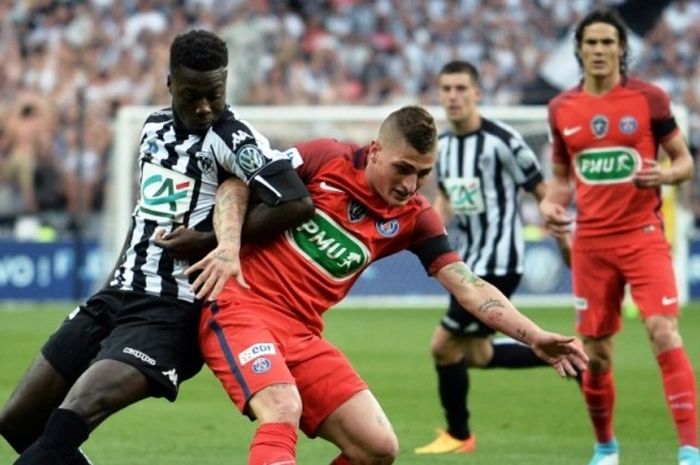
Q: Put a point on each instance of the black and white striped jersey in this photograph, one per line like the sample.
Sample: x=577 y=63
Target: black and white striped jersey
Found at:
x=179 y=174
x=480 y=173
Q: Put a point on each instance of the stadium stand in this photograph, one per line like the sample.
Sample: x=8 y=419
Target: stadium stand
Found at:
x=79 y=61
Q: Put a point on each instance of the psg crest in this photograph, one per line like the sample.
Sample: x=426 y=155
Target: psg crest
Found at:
x=388 y=228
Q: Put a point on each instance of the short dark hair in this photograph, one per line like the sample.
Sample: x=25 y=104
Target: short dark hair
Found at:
x=607 y=16
x=459 y=66
x=414 y=125
x=198 y=50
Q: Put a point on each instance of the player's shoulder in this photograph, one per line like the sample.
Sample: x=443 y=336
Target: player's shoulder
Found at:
x=327 y=146
x=565 y=95
x=230 y=121
x=162 y=115
x=499 y=129
x=645 y=87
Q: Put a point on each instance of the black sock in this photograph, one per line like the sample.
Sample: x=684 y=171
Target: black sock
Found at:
x=453 y=386
x=65 y=431
x=514 y=355
x=39 y=454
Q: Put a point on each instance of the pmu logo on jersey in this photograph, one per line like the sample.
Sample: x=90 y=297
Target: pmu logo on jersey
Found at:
x=356 y=212
x=608 y=165
x=628 y=125
x=387 y=228
x=164 y=193
x=599 y=126
x=329 y=247
x=249 y=159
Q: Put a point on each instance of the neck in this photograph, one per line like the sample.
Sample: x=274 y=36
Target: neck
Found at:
x=467 y=125
x=598 y=85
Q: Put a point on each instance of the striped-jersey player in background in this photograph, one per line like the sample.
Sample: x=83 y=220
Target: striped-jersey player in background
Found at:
x=481 y=168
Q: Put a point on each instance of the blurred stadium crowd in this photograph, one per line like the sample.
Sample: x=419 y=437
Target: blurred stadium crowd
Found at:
x=69 y=65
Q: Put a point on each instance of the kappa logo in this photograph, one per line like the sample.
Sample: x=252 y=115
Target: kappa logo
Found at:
x=140 y=355
x=238 y=137
x=566 y=132
x=171 y=375
x=356 y=212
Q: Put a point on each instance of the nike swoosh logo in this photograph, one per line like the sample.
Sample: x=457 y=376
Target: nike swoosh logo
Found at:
x=571 y=131
x=668 y=300
x=327 y=187
x=673 y=397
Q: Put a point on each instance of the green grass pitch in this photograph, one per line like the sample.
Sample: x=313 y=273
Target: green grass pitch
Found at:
x=523 y=417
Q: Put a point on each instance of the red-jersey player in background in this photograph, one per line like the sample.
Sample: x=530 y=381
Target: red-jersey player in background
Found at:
x=606 y=134
x=265 y=343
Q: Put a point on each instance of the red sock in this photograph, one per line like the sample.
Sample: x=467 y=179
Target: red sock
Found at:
x=599 y=391
x=681 y=396
x=341 y=460
x=273 y=444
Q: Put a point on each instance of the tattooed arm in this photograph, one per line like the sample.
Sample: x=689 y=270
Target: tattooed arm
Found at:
x=223 y=262
x=489 y=305
x=262 y=222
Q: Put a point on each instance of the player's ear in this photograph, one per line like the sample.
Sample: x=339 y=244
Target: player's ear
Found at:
x=374 y=148
x=169 y=83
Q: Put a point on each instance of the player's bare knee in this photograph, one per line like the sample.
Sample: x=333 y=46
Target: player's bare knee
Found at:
x=383 y=450
x=278 y=403
x=478 y=352
x=663 y=333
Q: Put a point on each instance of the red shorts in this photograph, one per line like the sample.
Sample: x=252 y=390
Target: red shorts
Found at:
x=250 y=345
x=600 y=274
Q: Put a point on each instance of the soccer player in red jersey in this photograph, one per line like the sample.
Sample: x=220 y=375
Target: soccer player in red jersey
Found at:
x=606 y=132
x=265 y=342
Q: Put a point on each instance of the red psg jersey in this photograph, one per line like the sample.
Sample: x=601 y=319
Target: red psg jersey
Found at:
x=313 y=266
x=603 y=140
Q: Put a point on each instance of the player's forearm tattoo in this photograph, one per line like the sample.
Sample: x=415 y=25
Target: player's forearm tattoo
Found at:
x=465 y=274
x=489 y=305
x=521 y=335
x=227 y=204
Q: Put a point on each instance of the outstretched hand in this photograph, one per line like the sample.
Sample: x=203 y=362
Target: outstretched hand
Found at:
x=216 y=268
x=564 y=353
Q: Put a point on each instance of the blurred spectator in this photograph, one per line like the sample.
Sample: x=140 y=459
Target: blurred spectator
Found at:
x=363 y=52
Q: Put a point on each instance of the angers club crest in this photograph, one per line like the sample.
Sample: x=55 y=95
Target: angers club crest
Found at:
x=205 y=162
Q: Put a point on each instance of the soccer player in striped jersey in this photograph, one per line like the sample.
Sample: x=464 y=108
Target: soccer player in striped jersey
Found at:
x=606 y=135
x=137 y=336
x=266 y=344
x=482 y=165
